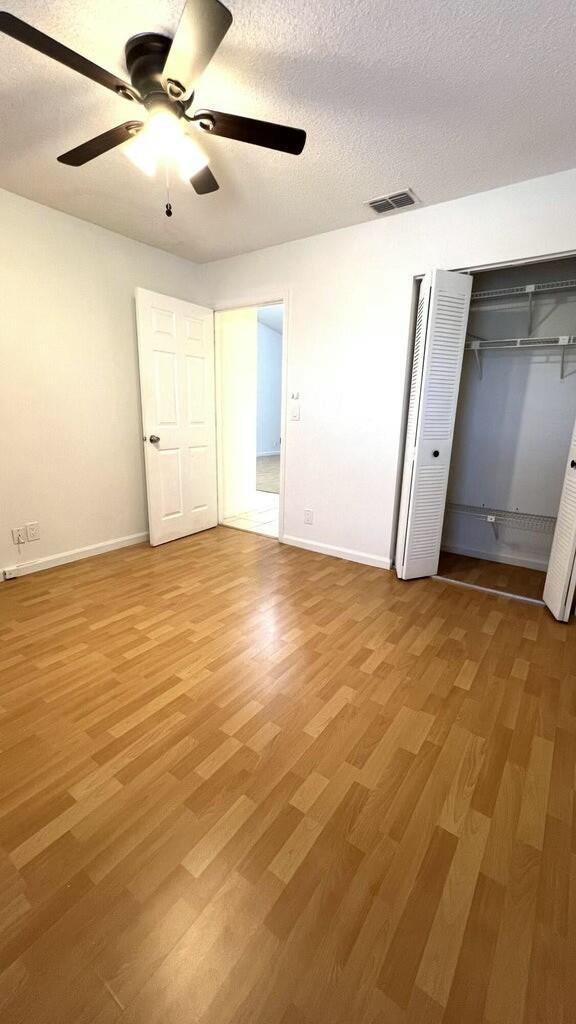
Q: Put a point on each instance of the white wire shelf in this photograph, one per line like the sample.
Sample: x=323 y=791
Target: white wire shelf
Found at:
x=496 y=517
x=493 y=344
x=523 y=290
x=562 y=342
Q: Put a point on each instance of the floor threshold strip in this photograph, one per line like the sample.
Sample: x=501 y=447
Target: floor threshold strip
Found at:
x=489 y=590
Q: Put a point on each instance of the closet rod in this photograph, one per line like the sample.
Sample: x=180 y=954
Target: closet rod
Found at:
x=525 y=289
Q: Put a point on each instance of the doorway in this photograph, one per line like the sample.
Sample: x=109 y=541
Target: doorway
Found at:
x=249 y=375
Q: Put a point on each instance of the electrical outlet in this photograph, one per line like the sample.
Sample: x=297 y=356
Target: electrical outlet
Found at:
x=308 y=516
x=32 y=531
x=19 y=535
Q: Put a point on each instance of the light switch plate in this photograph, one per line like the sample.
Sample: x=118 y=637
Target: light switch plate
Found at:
x=295 y=411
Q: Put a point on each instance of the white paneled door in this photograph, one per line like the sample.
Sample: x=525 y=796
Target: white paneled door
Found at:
x=441 y=322
x=561 y=575
x=176 y=355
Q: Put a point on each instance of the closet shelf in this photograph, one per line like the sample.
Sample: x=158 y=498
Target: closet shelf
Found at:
x=478 y=345
x=503 y=517
x=526 y=289
x=491 y=345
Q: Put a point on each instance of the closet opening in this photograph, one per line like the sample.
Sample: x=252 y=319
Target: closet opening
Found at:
x=488 y=495
x=515 y=417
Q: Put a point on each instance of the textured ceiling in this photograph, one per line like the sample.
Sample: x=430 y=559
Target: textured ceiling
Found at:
x=450 y=98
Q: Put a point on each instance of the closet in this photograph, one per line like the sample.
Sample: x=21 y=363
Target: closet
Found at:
x=488 y=491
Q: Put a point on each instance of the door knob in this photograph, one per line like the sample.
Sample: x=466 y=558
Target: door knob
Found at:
x=153 y=438
x=573 y=464
x=435 y=453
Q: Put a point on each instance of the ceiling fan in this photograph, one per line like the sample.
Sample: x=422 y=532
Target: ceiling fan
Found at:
x=163 y=74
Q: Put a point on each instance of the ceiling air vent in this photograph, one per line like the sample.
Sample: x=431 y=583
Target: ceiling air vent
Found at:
x=395 y=201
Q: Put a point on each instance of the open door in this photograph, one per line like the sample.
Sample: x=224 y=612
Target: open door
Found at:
x=561 y=575
x=176 y=355
x=442 y=318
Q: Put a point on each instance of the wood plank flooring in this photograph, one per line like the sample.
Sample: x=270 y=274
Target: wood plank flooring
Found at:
x=246 y=784
x=510 y=579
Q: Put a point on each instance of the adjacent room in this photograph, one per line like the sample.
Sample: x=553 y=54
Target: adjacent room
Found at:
x=287 y=512
x=249 y=416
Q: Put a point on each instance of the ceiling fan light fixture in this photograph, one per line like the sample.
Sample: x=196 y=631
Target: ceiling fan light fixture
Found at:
x=163 y=72
x=163 y=140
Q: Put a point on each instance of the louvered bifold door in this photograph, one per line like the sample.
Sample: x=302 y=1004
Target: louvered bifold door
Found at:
x=561 y=575
x=442 y=318
x=412 y=424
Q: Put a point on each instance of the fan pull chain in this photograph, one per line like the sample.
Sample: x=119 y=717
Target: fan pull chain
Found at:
x=168 y=209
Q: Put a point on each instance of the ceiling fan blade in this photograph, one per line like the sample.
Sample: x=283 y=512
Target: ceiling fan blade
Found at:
x=202 y=27
x=30 y=36
x=100 y=144
x=204 y=182
x=258 y=133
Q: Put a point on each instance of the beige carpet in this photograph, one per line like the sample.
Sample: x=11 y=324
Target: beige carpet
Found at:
x=268 y=473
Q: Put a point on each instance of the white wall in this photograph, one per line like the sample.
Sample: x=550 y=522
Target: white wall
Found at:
x=347 y=322
x=269 y=391
x=71 y=451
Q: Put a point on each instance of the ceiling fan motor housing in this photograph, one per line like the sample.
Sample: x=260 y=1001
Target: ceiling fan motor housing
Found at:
x=145 y=58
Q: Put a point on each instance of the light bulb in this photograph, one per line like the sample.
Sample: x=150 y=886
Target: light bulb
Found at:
x=140 y=152
x=164 y=130
x=189 y=159
x=163 y=139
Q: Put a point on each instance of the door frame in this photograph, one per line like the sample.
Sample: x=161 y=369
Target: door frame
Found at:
x=269 y=296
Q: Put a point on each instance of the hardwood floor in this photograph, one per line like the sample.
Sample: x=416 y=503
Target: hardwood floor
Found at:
x=242 y=783
x=510 y=579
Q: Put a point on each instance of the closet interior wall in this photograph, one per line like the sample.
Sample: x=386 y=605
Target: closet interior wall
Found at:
x=516 y=412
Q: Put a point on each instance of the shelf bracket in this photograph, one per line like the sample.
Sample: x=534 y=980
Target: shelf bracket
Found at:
x=494 y=525
x=563 y=341
x=530 y=292
x=478 y=358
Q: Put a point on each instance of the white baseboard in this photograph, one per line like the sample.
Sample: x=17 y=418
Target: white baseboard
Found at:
x=347 y=553
x=489 y=556
x=51 y=561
